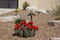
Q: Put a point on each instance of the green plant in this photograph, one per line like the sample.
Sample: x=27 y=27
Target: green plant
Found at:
x=20 y=33
x=57 y=9
x=18 y=21
x=25 y=29
x=32 y=32
x=17 y=10
x=25 y=32
x=25 y=5
x=57 y=18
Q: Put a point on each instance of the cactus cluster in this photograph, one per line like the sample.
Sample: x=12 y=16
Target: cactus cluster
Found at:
x=24 y=29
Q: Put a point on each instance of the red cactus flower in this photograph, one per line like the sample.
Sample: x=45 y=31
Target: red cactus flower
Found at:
x=30 y=23
x=35 y=27
x=16 y=26
x=23 y=22
x=21 y=28
x=28 y=26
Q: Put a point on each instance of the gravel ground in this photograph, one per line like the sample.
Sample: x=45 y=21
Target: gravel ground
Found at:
x=45 y=31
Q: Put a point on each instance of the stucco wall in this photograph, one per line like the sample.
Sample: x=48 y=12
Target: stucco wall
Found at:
x=44 y=4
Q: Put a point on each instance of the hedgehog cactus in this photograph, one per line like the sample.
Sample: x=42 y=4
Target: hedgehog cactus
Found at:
x=32 y=32
x=20 y=33
x=25 y=29
x=25 y=33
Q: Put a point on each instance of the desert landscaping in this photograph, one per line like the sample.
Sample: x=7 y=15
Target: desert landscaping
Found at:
x=26 y=20
x=45 y=32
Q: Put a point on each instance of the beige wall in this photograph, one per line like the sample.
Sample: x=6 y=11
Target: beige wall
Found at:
x=44 y=4
x=31 y=3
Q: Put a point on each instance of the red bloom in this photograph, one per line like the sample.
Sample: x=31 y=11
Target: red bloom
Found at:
x=30 y=23
x=23 y=22
x=35 y=27
x=21 y=28
x=28 y=26
x=16 y=26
